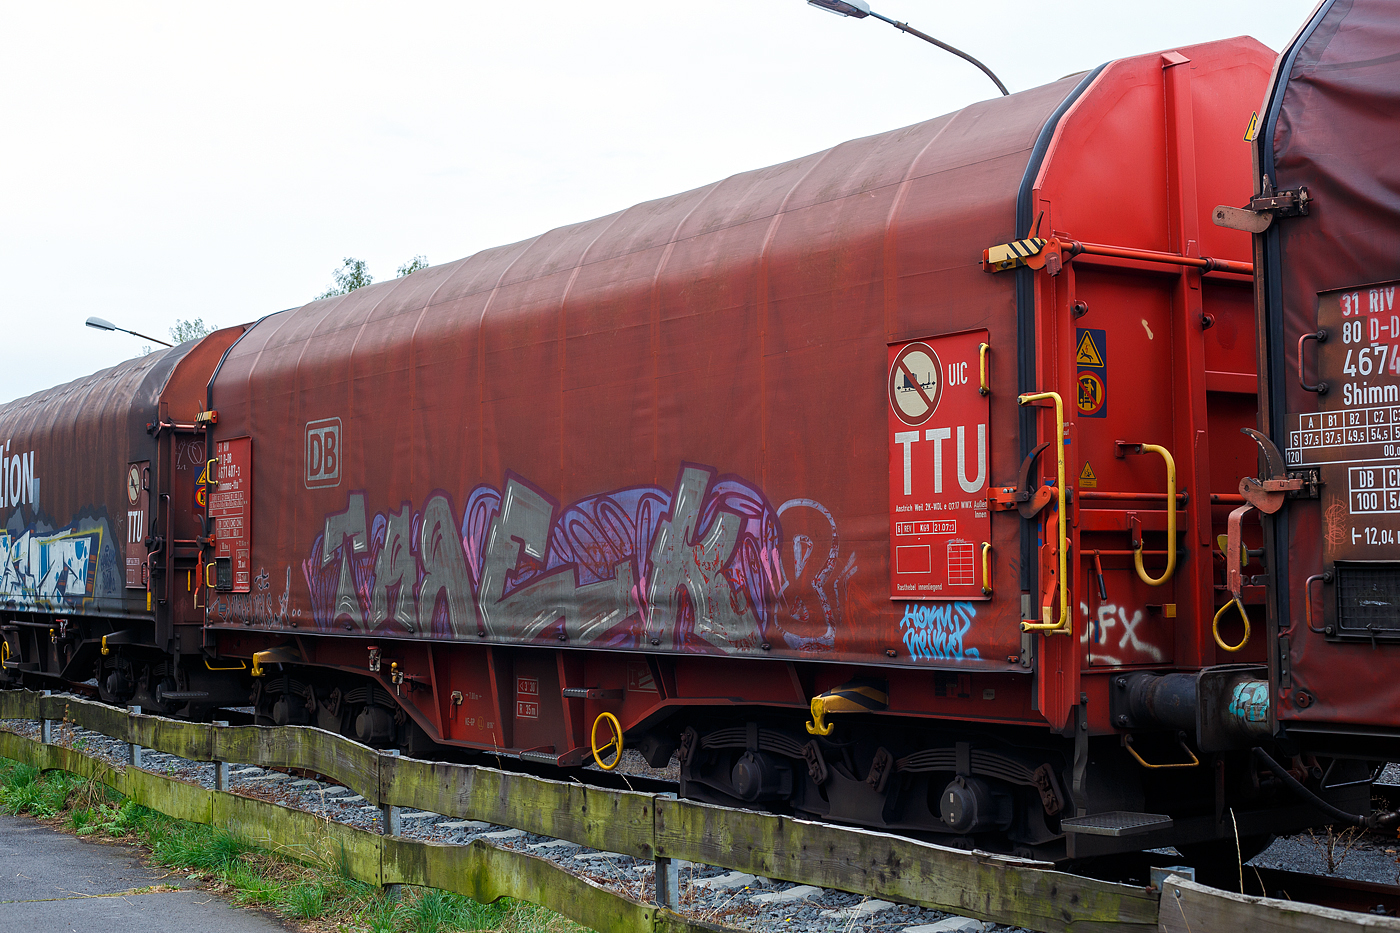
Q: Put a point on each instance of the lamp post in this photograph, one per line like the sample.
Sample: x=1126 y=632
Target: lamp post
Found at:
x=102 y=324
x=859 y=9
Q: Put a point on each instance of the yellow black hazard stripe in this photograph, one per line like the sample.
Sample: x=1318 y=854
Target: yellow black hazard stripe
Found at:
x=861 y=695
x=1010 y=255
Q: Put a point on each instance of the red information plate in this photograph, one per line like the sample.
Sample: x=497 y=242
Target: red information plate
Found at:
x=939 y=465
x=231 y=508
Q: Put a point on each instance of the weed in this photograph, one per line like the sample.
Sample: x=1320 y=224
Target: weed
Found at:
x=1335 y=846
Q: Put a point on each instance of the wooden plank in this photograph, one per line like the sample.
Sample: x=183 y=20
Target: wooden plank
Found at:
x=300 y=835
x=485 y=872
x=1188 y=907
x=175 y=798
x=614 y=821
x=48 y=757
x=97 y=717
x=987 y=887
x=19 y=704
x=352 y=764
x=192 y=740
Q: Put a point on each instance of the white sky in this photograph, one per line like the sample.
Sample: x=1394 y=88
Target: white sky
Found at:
x=179 y=160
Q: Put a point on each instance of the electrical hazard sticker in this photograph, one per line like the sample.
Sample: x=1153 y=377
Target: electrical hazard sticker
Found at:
x=1091 y=358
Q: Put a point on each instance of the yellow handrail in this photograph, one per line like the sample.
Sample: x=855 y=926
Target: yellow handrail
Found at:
x=1194 y=762
x=986 y=568
x=1171 y=523
x=1066 y=619
x=985 y=387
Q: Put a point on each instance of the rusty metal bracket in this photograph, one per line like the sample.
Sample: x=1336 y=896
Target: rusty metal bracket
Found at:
x=1234 y=545
x=1267 y=493
x=1030 y=496
x=1002 y=498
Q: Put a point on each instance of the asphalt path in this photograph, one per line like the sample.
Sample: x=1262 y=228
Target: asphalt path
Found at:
x=51 y=882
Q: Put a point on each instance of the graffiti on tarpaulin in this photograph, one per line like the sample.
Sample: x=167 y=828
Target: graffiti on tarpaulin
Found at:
x=50 y=569
x=935 y=631
x=256 y=606
x=704 y=565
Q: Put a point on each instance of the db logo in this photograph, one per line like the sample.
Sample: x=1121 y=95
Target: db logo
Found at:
x=323 y=453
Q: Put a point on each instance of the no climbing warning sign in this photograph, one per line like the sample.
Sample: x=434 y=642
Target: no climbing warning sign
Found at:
x=1091 y=359
x=939 y=467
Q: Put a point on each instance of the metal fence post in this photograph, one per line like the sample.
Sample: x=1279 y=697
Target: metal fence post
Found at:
x=389 y=814
x=221 y=768
x=668 y=886
x=390 y=817
x=132 y=747
x=45 y=725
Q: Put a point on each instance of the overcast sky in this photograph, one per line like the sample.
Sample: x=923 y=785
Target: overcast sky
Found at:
x=164 y=161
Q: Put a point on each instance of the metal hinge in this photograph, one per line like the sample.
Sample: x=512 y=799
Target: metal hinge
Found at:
x=1261 y=210
x=1308 y=484
x=1290 y=202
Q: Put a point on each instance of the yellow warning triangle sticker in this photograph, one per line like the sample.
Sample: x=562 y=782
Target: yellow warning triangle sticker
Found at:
x=1087 y=479
x=203 y=476
x=1088 y=354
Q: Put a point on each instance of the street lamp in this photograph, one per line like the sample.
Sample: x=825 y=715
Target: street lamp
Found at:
x=101 y=324
x=859 y=9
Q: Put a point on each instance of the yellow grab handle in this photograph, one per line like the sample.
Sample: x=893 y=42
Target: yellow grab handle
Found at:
x=1128 y=744
x=985 y=386
x=986 y=568
x=1066 y=618
x=1215 y=626
x=1171 y=523
x=617 y=740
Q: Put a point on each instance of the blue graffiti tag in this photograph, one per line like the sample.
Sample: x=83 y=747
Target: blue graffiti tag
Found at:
x=934 y=631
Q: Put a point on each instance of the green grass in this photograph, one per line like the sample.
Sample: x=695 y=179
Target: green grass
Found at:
x=320 y=895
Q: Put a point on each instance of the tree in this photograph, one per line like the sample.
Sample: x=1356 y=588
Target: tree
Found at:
x=354 y=273
x=193 y=329
x=351 y=275
x=413 y=265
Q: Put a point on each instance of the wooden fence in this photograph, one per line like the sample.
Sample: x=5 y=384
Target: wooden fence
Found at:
x=646 y=826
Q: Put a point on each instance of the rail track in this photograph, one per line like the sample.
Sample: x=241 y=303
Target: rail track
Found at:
x=608 y=857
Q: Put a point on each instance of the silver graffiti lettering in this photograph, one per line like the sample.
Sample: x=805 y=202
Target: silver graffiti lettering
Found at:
x=722 y=614
x=394 y=567
x=444 y=570
x=523 y=525
x=345 y=532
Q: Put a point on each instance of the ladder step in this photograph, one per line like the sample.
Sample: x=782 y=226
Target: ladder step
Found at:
x=541 y=758
x=1116 y=823
x=591 y=693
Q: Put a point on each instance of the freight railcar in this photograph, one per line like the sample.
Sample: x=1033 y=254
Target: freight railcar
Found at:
x=1327 y=212
x=881 y=486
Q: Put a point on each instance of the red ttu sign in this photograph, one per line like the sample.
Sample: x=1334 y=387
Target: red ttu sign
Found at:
x=939 y=464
